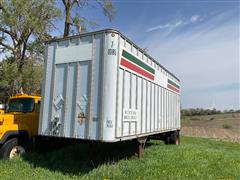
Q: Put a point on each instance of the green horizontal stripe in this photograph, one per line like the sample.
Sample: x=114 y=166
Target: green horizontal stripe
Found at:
x=173 y=83
x=137 y=61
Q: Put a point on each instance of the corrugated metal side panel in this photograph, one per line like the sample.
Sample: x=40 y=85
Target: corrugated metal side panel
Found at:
x=156 y=116
x=126 y=100
x=144 y=107
x=139 y=104
x=152 y=107
x=147 y=95
x=148 y=105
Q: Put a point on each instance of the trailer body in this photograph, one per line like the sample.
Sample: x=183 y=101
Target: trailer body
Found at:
x=101 y=86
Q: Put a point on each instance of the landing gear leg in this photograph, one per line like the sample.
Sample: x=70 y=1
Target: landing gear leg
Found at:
x=140 y=146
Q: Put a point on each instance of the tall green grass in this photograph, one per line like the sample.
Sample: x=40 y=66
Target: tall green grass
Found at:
x=195 y=158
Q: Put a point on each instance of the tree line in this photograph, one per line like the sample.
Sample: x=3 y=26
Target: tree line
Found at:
x=26 y=25
x=200 y=111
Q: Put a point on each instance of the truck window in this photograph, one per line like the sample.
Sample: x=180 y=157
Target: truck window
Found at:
x=21 y=105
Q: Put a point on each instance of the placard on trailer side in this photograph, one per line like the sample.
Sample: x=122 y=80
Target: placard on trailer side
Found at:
x=101 y=86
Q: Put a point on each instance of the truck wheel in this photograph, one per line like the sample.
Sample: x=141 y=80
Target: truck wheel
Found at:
x=166 y=139
x=174 y=138
x=11 y=149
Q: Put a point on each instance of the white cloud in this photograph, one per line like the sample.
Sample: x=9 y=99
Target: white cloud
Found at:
x=205 y=58
x=178 y=23
x=172 y=26
x=194 y=18
x=159 y=27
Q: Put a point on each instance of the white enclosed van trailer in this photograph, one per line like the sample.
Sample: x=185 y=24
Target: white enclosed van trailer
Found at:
x=101 y=86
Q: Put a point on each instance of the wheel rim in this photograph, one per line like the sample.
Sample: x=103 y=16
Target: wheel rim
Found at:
x=16 y=151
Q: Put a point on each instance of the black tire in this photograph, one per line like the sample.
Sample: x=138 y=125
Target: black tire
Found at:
x=11 y=148
x=172 y=138
x=167 y=139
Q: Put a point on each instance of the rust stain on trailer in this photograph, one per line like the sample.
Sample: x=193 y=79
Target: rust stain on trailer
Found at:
x=81 y=117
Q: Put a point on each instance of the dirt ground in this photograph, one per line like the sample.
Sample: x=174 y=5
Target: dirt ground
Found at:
x=221 y=126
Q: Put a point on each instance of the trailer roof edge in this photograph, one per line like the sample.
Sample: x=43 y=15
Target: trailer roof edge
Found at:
x=115 y=31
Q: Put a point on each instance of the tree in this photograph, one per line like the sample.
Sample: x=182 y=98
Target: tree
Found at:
x=11 y=80
x=199 y=111
x=1 y=4
x=22 y=22
x=79 y=22
x=32 y=75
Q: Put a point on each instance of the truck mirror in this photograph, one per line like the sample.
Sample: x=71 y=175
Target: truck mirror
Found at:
x=2 y=107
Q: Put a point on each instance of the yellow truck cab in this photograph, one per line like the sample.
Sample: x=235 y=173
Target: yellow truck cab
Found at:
x=18 y=124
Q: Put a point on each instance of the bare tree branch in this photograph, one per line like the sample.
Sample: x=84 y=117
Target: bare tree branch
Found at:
x=7 y=32
x=6 y=46
x=74 y=19
x=1 y=4
x=64 y=2
x=107 y=6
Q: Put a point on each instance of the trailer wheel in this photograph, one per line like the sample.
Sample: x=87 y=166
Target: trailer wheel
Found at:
x=166 y=139
x=11 y=149
x=174 y=138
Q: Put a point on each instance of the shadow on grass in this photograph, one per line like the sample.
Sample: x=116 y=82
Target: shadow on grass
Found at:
x=80 y=158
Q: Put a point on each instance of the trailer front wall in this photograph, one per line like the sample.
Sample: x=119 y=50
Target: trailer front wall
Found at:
x=72 y=88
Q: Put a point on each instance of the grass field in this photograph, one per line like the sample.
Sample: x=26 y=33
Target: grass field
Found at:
x=213 y=121
x=219 y=126
x=195 y=158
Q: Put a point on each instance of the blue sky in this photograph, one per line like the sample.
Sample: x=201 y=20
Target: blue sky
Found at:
x=197 y=40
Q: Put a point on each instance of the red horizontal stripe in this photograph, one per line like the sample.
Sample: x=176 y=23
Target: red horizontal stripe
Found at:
x=173 y=88
x=136 y=69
